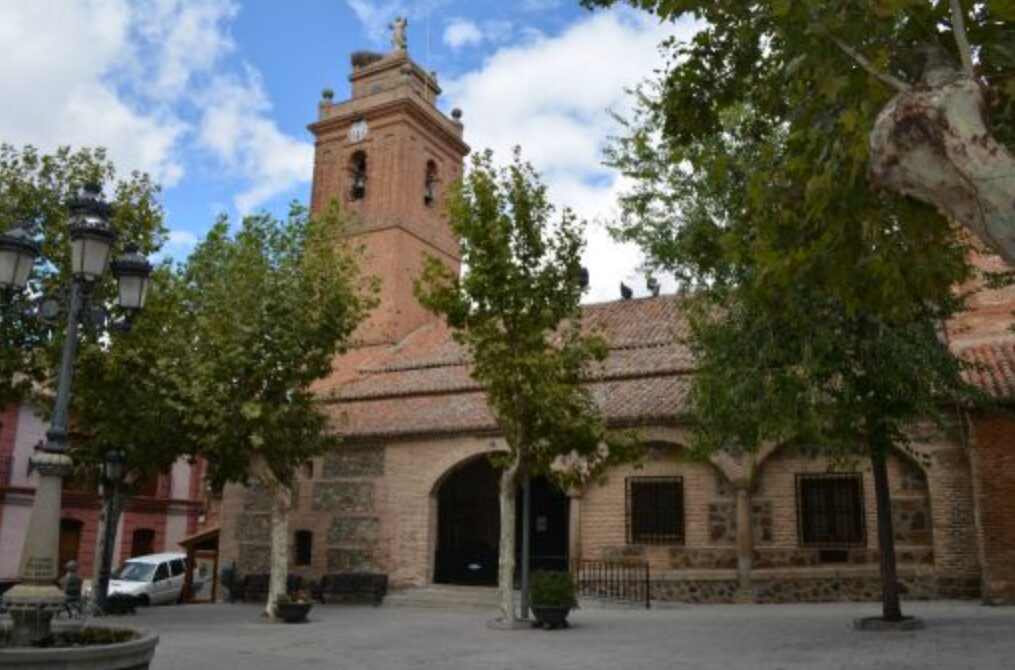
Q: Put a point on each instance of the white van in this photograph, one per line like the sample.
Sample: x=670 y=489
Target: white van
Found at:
x=153 y=579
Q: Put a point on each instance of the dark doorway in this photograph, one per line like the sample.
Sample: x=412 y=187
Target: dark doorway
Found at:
x=70 y=541
x=468 y=526
x=548 y=525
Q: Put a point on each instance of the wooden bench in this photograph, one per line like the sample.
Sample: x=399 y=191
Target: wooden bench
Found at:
x=352 y=587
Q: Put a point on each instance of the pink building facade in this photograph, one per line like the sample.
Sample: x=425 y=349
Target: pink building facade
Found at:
x=166 y=511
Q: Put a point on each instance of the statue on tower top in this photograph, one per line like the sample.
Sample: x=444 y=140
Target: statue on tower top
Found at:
x=399 y=41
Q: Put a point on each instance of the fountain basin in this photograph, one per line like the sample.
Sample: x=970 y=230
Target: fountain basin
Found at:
x=134 y=654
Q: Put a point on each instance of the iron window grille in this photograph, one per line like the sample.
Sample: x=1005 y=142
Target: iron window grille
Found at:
x=655 y=510
x=830 y=510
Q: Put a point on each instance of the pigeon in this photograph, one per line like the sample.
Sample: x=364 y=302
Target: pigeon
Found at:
x=625 y=291
x=653 y=286
x=583 y=277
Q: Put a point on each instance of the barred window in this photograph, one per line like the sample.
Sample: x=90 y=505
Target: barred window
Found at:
x=655 y=510
x=830 y=510
x=304 y=547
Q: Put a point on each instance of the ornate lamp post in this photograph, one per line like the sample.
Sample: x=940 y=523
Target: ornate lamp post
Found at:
x=35 y=599
x=112 y=471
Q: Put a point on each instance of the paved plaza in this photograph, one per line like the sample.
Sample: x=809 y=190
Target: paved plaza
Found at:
x=702 y=637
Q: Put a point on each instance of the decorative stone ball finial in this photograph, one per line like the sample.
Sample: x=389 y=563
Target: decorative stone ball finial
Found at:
x=399 y=40
x=327 y=94
x=456 y=114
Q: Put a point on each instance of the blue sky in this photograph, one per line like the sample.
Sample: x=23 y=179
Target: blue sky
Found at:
x=212 y=97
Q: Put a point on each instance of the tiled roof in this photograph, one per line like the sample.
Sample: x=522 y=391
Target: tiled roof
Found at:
x=993 y=368
x=423 y=385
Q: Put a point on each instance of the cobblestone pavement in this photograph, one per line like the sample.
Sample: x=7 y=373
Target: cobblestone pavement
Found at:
x=700 y=637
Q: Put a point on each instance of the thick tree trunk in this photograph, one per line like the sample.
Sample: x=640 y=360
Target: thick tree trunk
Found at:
x=506 y=561
x=281 y=503
x=932 y=143
x=891 y=608
x=279 y=547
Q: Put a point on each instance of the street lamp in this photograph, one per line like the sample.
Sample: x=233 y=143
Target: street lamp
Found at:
x=133 y=274
x=18 y=252
x=90 y=235
x=34 y=601
x=112 y=472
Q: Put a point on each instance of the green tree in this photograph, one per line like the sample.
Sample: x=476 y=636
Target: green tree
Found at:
x=127 y=392
x=516 y=309
x=913 y=96
x=34 y=191
x=269 y=307
x=133 y=393
x=820 y=332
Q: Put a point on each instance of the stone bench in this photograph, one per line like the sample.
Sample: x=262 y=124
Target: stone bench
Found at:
x=352 y=587
x=254 y=587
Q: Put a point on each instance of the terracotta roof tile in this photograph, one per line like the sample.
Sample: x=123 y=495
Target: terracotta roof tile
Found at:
x=993 y=368
x=423 y=385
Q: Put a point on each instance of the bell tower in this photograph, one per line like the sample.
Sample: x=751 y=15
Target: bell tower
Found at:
x=386 y=155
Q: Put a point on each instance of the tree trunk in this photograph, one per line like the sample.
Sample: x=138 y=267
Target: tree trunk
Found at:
x=281 y=503
x=526 y=590
x=933 y=144
x=891 y=608
x=506 y=560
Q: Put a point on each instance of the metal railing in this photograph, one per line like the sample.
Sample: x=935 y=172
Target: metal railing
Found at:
x=613 y=581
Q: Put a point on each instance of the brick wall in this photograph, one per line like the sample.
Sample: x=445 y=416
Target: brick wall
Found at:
x=995 y=487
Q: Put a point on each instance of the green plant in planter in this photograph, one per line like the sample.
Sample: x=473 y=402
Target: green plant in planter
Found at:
x=553 y=589
x=296 y=598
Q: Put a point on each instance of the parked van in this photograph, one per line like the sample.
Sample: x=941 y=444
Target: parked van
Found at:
x=154 y=579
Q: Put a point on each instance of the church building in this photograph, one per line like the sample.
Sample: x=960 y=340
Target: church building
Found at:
x=411 y=491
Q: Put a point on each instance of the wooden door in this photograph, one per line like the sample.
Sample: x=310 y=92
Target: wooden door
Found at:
x=70 y=542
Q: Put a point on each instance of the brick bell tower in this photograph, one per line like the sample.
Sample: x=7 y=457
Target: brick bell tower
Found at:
x=387 y=155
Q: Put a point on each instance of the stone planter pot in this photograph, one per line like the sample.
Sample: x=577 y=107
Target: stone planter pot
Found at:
x=550 y=616
x=134 y=654
x=293 y=612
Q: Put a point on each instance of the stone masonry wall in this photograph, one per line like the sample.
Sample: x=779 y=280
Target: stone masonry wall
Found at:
x=373 y=507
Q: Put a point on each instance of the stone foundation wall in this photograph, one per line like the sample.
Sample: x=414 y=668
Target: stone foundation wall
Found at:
x=808 y=586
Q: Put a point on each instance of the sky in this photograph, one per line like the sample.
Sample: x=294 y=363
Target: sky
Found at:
x=212 y=97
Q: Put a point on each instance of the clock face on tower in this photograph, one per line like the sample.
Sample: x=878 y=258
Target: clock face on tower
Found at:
x=358 y=131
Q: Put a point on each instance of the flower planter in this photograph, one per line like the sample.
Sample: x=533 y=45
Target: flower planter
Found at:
x=292 y=612
x=550 y=616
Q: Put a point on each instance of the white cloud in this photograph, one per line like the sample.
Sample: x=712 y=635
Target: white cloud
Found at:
x=462 y=32
x=58 y=61
x=184 y=38
x=553 y=96
x=236 y=129
x=139 y=77
x=180 y=239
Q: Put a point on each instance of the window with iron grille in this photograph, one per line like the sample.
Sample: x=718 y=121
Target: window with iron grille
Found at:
x=830 y=510
x=655 y=510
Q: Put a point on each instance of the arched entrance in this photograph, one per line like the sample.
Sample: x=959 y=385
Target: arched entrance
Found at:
x=468 y=526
